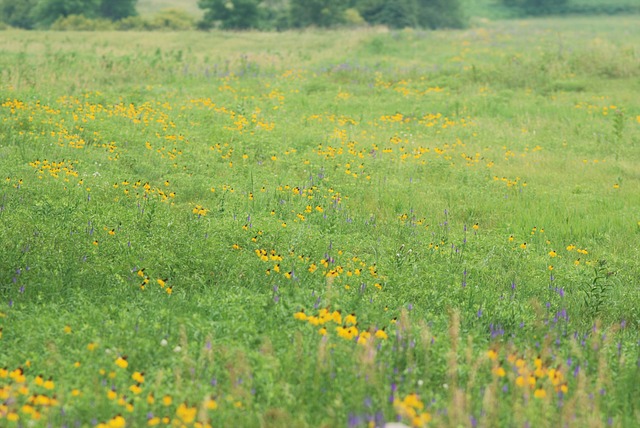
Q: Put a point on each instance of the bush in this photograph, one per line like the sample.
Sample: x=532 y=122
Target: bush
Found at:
x=413 y=13
x=81 y=23
x=320 y=13
x=17 y=13
x=133 y=23
x=172 y=20
x=236 y=14
x=353 y=18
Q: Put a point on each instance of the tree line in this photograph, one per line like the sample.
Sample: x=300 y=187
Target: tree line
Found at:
x=277 y=14
x=242 y=14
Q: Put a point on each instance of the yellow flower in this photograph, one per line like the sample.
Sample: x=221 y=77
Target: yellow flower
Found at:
x=211 y=404
x=138 y=377
x=350 y=319
x=540 y=393
x=552 y=253
x=122 y=362
x=499 y=371
x=117 y=422
x=492 y=354
x=381 y=334
x=136 y=389
x=186 y=414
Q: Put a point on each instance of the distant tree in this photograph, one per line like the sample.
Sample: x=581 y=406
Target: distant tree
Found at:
x=321 y=13
x=536 y=7
x=392 y=13
x=48 y=11
x=231 y=14
x=440 y=14
x=413 y=13
x=117 y=9
x=43 y=13
x=18 y=13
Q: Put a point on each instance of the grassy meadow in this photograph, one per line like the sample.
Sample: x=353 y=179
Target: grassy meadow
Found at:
x=322 y=228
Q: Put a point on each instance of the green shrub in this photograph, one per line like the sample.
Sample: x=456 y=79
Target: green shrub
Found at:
x=81 y=23
x=353 y=18
x=17 y=13
x=133 y=23
x=172 y=20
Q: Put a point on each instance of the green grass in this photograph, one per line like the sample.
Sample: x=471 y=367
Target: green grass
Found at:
x=205 y=204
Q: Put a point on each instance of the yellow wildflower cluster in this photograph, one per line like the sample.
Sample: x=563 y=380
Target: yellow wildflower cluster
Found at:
x=412 y=409
x=532 y=375
x=347 y=327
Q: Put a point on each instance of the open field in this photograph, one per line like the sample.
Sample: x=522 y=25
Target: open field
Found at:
x=322 y=228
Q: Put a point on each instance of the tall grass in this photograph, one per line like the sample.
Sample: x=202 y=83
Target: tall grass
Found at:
x=321 y=228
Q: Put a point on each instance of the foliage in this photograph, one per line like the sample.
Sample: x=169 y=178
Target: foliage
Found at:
x=236 y=14
x=327 y=228
x=18 y=13
x=573 y=7
x=395 y=14
x=117 y=9
x=413 y=13
x=42 y=13
x=171 y=20
x=81 y=23
x=536 y=7
x=440 y=14
x=319 y=13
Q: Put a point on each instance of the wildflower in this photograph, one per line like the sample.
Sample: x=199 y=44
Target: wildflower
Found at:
x=363 y=337
x=135 y=388
x=122 y=362
x=540 y=393
x=300 y=315
x=167 y=400
x=186 y=414
x=499 y=371
x=552 y=253
x=350 y=319
x=381 y=334
x=138 y=377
